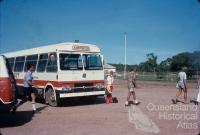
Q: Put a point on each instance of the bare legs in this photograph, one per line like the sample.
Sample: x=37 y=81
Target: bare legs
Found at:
x=178 y=93
x=129 y=96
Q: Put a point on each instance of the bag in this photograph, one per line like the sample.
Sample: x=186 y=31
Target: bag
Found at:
x=115 y=100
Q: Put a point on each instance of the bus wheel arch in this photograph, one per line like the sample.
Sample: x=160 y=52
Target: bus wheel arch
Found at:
x=50 y=96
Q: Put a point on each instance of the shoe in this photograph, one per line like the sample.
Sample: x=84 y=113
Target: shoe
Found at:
x=126 y=103
x=35 y=111
x=174 y=101
x=14 y=110
x=194 y=101
x=136 y=102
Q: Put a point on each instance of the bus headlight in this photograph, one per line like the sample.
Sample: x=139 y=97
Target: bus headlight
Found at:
x=66 y=88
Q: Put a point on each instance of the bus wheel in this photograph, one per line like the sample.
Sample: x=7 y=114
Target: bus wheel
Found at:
x=50 y=98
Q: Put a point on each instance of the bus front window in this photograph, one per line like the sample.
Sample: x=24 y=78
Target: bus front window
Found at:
x=92 y=62
x=74 y=62
x=71 y=62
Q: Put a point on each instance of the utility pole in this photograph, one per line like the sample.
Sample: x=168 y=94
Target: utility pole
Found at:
x=124 y=55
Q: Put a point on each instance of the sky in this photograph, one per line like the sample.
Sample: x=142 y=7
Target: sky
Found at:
x=162 y=27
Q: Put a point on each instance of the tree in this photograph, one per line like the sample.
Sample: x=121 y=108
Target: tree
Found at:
x=143 y=66
x=164 y=65
x=151 y=62
x=180 y=60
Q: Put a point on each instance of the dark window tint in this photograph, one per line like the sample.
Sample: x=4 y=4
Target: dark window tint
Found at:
x=10 y=70
x=92 y=62
x=52 y=63
x=11 y=62
x=42 y=62
x=31 y=59
x=19 y=64
x=71 y=62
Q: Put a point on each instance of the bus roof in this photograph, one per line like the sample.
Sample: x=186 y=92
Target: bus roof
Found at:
x=60 y=47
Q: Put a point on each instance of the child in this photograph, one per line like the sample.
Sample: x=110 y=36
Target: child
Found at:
x=110 y=80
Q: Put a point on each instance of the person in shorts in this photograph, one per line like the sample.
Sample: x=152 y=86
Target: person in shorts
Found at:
x=181 y=85
x=28 y=91
x=28 y=86
x=131 y=87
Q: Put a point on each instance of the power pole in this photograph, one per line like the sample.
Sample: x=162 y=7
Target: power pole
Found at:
x=124 y=55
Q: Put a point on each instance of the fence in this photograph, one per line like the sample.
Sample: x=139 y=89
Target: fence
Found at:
x=156 y=76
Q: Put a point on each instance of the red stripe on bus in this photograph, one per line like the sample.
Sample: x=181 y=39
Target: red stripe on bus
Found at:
x=60 y=84
x=6 y=89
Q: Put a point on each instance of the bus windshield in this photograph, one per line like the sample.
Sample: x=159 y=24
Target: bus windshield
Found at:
x=76 y=62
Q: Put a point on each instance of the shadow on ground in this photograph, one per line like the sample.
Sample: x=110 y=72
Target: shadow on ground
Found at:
x=82 y=101
x=18 y=119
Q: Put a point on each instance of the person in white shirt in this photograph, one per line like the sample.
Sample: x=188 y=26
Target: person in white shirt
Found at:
x=110 y=81
x=181 y=85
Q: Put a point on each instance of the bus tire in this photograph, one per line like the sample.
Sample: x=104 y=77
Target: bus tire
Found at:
x=50 y=98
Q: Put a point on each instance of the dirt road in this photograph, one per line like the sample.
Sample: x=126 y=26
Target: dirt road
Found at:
x=155 y=115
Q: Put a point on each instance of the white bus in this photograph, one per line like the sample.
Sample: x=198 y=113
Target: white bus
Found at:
x=61 y=70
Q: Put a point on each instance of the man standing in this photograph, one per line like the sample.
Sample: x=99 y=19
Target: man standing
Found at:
x=28 y=83
x=131 y=86
x=181 y=86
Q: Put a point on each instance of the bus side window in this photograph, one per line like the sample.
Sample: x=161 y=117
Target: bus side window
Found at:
x=31 y=59
x=52 y=63
x=42 y=62
x=19 y=64
x=11 y=62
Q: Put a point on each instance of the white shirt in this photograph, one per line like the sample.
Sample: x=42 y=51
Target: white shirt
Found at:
x=28 y=77
x=182 y=76
x=110 y=80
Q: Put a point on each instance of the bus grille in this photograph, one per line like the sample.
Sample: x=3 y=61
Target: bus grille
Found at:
x=83 y=84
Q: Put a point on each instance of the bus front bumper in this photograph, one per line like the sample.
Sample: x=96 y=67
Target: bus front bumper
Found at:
x=81 y=92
